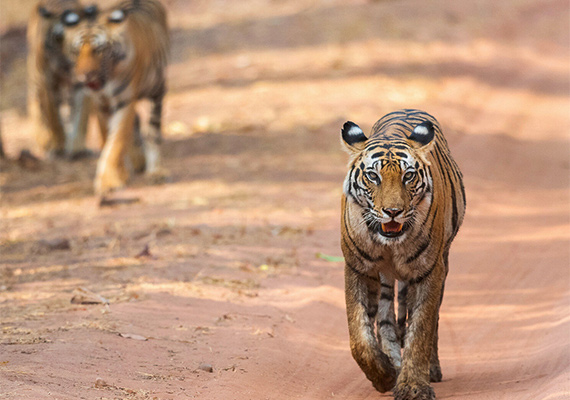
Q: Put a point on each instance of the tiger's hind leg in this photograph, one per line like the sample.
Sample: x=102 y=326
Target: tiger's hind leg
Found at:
x=136 y=151
x=386 y=328
x=435 y=374
x=153 y=139
x=402 y=310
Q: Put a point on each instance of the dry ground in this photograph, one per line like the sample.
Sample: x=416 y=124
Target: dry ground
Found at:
x=258 y=92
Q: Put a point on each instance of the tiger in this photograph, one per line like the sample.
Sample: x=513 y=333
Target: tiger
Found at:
x=119 y=56
x=402 y=205
x=50 y=83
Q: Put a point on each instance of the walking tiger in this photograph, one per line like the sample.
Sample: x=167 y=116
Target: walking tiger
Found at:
x=119 y=55
x=402 y=205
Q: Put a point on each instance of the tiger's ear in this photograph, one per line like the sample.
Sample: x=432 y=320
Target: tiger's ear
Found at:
x=353 y=137
x=44 y=12
x=422 y=139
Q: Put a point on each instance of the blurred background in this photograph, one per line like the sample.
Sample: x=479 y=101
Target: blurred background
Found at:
x=232 y=262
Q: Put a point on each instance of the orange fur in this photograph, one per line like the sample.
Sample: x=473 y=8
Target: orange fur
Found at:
x=120 y=56
x=403 y=204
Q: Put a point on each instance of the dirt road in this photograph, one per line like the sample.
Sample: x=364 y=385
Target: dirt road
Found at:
x=232 y=279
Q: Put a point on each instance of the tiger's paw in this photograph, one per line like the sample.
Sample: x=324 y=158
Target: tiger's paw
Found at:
x=377 y=368
x=158 y=176
x=435 y=374
x=55 y=154
x=410 y=391
x=137 y=158
x=110 y=179
x=81 y=155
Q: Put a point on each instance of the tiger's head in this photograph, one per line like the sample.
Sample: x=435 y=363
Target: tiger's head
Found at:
x=389 y=178
x=96 y=45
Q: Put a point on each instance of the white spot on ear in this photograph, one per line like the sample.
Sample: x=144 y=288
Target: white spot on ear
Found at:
x=421 y=130
x=117 y=16
x=354 y=131
x=71 y=18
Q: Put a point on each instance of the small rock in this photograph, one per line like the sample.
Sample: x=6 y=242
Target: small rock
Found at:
x=110 y=202
x=133 y=336
x=44 y=246
x=100 y=383
x=145 y=253
x=85 y=296
x=206 y=367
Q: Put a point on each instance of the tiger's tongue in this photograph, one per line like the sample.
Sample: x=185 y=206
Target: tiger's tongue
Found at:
x=392 y=226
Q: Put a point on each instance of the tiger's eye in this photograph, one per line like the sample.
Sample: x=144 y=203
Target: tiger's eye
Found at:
x=373 y=177
x=408 y=176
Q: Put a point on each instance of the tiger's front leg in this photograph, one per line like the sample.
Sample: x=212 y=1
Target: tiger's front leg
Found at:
x=424 y=300
x=112 y=172
x=43 y=106
x=80 y=105
x=362 y=292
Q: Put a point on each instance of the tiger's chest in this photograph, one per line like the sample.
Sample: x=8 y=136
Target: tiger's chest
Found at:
x=401 y=261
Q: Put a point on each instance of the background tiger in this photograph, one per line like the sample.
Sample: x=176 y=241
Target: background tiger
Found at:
x=403 y=204
x=50 y=82
x=120 y=56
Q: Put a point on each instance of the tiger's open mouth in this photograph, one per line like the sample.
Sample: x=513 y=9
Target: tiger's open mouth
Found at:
x=391 y=229
x=94 y=85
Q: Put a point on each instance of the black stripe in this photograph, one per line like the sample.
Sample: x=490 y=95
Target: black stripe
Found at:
x=119 y=89
x=387 y=286
x=454 y=214
x=429 y=238
x=423 y=276
x=385 y=296
x=419 y=252
x=357 y=272
x=385 y=322
x=120 y=105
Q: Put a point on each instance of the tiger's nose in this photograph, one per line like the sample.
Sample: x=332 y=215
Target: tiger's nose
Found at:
x=392 y=212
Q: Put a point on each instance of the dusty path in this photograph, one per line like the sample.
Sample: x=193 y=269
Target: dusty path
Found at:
x=259 y=91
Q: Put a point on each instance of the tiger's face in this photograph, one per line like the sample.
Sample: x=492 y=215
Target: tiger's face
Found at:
x=389 y=179
x=96 y=46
